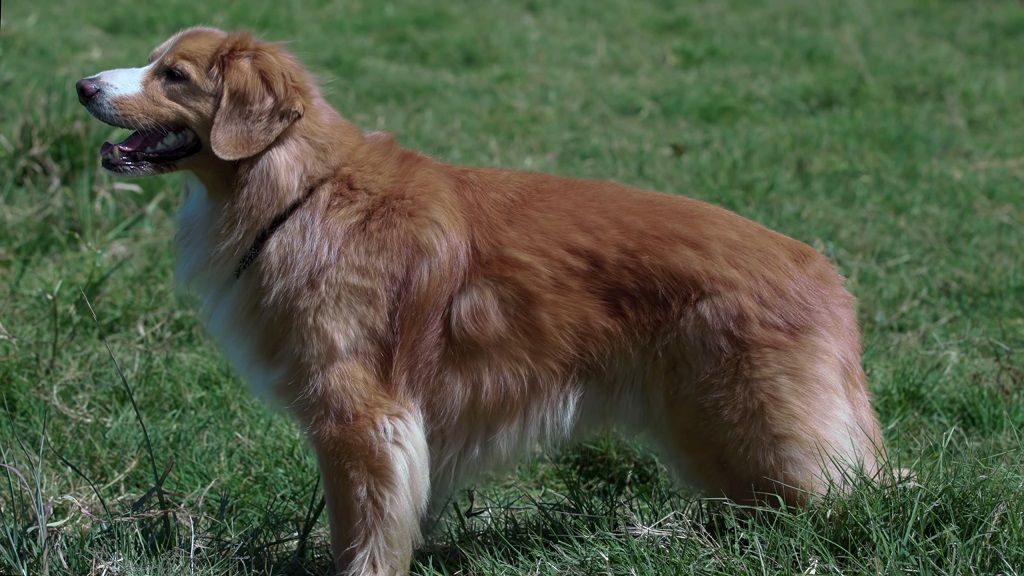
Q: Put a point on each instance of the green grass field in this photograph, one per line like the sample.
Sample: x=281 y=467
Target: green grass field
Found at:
x=887 y=133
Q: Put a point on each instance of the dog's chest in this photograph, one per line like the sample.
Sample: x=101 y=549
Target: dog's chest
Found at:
x=227 y=304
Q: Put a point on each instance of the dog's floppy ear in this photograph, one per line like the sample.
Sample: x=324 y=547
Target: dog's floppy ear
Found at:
x=261 y=97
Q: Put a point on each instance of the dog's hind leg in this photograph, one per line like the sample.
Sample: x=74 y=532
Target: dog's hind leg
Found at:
x=775 y=422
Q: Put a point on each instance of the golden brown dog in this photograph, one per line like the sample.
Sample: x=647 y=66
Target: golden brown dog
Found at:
x=422 y=320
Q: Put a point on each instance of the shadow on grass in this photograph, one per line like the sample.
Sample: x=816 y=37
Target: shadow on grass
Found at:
x=590 y=498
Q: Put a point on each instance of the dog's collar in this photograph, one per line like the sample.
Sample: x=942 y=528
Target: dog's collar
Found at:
x=266 y=233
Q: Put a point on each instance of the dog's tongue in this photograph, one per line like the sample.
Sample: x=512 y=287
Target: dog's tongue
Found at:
x=157 y=140
x=135 y=140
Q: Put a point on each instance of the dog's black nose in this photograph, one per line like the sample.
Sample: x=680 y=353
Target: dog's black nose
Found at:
x=86 y=90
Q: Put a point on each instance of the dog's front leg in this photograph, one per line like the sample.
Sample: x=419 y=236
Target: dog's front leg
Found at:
x=375 y=468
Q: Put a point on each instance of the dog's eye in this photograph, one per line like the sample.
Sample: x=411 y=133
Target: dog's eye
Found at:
x=175 y=75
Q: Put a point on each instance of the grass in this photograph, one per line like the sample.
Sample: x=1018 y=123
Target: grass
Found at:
x=888 y=134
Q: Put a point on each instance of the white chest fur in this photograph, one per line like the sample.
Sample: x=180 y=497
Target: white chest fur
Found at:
x=226 y=302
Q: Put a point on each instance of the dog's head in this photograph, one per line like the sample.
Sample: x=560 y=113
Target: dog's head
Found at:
x=204 y=92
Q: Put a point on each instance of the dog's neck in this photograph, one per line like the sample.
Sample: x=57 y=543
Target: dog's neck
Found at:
x=255 y=196
x=282 y=217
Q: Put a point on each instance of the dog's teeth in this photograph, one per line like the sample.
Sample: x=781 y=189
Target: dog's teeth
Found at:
x=116 y=153
x=171 y=140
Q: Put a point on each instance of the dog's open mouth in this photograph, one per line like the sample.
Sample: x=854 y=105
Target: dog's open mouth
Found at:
x=150 y=151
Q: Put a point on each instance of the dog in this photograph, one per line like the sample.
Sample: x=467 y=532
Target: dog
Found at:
x=423 y=321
